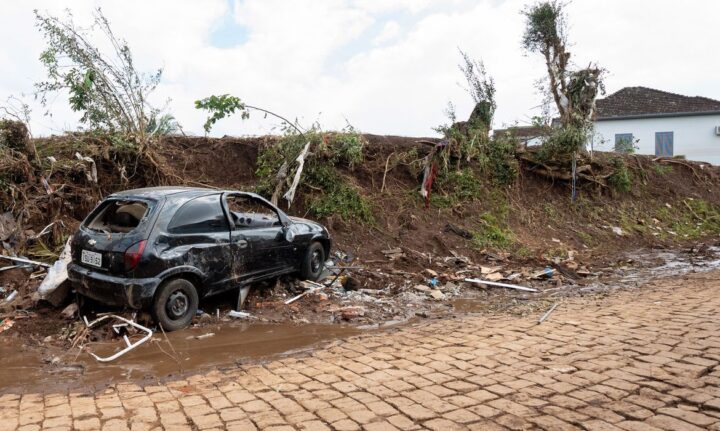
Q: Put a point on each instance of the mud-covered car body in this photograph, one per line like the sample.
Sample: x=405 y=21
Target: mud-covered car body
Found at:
x=135 y=240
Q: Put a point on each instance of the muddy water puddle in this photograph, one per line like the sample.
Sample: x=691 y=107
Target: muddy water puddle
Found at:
x=23 y=370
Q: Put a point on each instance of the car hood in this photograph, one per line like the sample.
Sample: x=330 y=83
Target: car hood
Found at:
x=311 y=225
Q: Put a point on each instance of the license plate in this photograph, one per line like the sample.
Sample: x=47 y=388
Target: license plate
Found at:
x=91 y=258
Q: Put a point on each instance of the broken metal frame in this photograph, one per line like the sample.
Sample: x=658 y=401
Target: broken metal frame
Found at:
x=23 y=260
x=493 y=283
x=547 y=314
x=319 y=286
x=130 y=346
x=316 y=287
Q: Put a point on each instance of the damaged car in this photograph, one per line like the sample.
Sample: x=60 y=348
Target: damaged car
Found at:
x=162 y=249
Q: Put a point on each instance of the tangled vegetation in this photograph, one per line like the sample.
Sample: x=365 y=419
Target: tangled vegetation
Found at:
x=325 y=190
x=107 y=90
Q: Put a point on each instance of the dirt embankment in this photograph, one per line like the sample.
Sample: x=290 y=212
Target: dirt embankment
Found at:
x=535 y=214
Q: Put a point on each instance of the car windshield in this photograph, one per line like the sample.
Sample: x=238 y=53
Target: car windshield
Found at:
x=118 y=216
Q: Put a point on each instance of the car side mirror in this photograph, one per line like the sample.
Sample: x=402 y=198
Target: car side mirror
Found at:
x=289 y=233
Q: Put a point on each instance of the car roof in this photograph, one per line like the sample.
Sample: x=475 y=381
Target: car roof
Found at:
x=174 y=191
x=164 y=191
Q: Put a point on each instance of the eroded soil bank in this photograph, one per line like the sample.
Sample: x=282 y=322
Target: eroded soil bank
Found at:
x=412 y=259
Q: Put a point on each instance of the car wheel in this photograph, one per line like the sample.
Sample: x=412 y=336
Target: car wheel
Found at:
x=313 y=263
x=175 y=304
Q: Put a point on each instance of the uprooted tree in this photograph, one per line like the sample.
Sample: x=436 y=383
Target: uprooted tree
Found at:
x=574 y=91
x=104 y=86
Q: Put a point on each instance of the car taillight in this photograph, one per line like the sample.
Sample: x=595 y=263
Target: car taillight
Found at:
x=133 y=255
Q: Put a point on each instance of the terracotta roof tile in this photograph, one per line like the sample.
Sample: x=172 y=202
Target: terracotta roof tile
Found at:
x=639 y=101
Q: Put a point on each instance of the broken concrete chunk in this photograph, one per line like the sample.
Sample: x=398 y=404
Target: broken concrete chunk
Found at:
x=70 y=311
x=430 y=272
x=489 y=269
x=421 y=288
x=349 y=313
x=450 y=286
x=436 y=294
x=495 y=276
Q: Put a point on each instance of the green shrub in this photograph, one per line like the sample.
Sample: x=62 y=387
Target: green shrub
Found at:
x=491 y=233
x=621 y=179
x=563 y=142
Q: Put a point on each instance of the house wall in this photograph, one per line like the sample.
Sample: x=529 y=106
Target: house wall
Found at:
x=694 y=136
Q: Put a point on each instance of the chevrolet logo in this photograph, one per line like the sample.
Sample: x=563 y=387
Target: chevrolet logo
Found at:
x=92 y=242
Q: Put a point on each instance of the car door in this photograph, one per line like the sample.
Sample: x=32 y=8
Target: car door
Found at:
x=259 y=226
x=198 y=235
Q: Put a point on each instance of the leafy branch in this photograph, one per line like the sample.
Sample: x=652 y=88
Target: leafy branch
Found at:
x=106 y=88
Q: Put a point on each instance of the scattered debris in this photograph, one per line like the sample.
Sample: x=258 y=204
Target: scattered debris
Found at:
x=393 y=253
x=349 y=313
x=92 y=175
x=239 y=314
x=311 y=287
x=6 y=324
x=436 y=294
x=484 y=270
x=70 y=311
x=11 y=296
x=431 y=272
x=494 y=276
x=24 y=260
x=55 y=288
x=547 y=314
x=458 y=231
x=509 y=286
x=421 y=288
x=545 y=273
x=126 y=322
x=10 y=267
x=617 y=231
x=204 y=336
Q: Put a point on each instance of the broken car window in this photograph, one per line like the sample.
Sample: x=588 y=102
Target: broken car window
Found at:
x=248 y=212
x=119 y=216
x=199 y=215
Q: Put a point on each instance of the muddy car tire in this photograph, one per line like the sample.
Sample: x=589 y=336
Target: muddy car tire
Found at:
x=313 y=263
x=175 y=304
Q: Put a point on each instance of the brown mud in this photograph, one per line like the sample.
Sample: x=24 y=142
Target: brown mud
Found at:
x=23 y=369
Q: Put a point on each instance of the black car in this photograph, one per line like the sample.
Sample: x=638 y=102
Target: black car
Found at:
x=163 y=248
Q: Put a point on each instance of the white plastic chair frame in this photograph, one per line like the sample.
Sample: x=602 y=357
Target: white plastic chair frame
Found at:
x=130 y=346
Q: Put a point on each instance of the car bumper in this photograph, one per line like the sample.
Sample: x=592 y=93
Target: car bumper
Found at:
x=135 y=293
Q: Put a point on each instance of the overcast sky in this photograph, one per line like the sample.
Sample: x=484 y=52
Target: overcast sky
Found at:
x=385 y=66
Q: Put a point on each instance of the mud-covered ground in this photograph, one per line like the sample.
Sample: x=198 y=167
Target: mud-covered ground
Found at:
x=45 y=350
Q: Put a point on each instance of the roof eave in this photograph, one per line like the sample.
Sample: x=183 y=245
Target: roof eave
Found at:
x=658 y=115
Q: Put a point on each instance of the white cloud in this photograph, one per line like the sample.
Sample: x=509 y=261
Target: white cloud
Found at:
x=387 y=66
x=390 y=31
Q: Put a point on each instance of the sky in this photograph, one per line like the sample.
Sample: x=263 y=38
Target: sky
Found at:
x=382 y=66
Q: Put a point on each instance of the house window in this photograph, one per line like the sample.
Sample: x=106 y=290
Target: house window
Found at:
x=624 y=143
x=664 y=144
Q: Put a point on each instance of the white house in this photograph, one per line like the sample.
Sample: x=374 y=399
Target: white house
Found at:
x=525 y=135
x=659 y=123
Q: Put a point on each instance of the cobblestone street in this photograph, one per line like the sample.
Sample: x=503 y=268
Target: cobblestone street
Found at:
x=633 y=360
